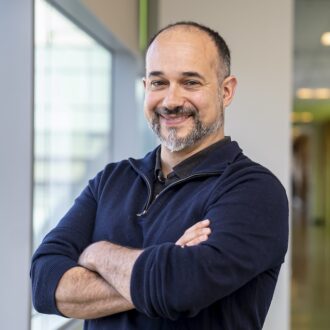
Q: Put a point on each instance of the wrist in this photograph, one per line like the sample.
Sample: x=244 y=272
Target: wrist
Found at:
x=94 y=256
x=101 y=259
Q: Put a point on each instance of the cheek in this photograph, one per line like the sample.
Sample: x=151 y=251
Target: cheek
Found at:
x=199 y=100
x=149 y=106
x=208 y=105
x=151 y=101
x=202 y=102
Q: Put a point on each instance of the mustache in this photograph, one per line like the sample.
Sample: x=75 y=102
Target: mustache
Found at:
x=185 y=111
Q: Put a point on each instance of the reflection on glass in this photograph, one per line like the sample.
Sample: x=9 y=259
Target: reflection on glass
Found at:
x=72 y=121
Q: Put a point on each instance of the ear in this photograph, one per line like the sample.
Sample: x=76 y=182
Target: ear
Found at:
x=144 y=82
x=228 y=88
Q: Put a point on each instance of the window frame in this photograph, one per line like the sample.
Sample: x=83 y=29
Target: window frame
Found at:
x=126 y=66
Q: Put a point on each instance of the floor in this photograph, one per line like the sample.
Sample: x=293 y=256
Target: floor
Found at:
x=310 y=287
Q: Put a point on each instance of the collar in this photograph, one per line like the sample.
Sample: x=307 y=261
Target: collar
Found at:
x=185 y=168
x=219 y=157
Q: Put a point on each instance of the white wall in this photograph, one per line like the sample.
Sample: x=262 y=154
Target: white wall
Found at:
x=16 y=119
x=259 y=34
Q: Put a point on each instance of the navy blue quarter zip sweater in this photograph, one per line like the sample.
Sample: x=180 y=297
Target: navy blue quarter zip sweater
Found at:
x=226 y=282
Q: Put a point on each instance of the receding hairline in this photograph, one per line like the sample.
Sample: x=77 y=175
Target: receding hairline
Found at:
x=223 y=58
x=186 y=27
x=182 y=26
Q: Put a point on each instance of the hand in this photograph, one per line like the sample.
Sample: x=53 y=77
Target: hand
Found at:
x=196 y=234
x=92 y=254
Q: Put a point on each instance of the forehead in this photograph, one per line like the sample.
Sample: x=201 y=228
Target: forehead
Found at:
x=182 y=49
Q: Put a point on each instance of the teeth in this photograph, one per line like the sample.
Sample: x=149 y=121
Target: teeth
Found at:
x=174 y=116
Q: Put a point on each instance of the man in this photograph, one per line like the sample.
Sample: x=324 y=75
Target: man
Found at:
x=193 y=235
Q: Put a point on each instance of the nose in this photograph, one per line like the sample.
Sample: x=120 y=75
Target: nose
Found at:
x=173 y=98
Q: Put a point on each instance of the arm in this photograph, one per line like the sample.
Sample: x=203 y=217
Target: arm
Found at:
x=57 y=282
x=83 y=294
x=249 y=236
x=58 y=285
x=115 y=263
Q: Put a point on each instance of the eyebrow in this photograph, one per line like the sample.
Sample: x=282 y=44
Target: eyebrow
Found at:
x=156 y=73
x=193 y=74
x=184 y=74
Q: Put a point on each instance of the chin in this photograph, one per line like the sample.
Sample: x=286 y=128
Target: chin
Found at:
x=180 y=132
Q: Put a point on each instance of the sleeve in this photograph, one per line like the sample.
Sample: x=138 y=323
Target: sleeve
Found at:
x=61 y=248
x=249 y=225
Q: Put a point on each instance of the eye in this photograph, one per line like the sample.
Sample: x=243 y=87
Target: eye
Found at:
x=157 y=83
x=191 y=83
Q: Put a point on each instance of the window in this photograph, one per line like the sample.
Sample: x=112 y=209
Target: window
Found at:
x=72 y=124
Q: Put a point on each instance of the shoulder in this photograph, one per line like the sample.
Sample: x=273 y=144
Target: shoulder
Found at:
x=110 y=171
x=252 y=181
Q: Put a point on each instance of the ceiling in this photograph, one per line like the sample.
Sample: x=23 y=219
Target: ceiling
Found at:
x=311 y=58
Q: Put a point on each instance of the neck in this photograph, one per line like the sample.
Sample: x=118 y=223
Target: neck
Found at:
x=170 y=159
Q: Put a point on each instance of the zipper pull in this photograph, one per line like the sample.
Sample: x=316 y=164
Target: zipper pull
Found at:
x=142 y=213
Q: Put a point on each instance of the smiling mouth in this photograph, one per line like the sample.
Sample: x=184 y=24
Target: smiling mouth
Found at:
x=173 y=120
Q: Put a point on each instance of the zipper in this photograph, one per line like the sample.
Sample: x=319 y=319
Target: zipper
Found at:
x=149 y=189
x=146 y=206
x=149 y=203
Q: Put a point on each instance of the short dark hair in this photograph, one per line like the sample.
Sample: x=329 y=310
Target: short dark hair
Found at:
x=221 y=45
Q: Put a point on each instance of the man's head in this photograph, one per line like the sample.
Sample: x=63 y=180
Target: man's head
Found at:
x=187 y=85
x=219 y=43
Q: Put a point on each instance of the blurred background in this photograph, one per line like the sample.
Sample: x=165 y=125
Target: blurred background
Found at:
x=72 y=98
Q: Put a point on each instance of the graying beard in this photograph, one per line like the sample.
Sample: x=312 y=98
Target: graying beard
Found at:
x=173 y=143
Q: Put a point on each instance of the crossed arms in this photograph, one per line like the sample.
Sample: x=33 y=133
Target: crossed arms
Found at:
x=101 y=286
x=249 y=236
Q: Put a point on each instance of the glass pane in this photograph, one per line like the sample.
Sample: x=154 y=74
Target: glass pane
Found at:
x=72 y=121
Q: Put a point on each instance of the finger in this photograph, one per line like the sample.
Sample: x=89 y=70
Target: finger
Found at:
x=192 y=230
x=197 y=240
x=189 y=236
x=199 y=224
